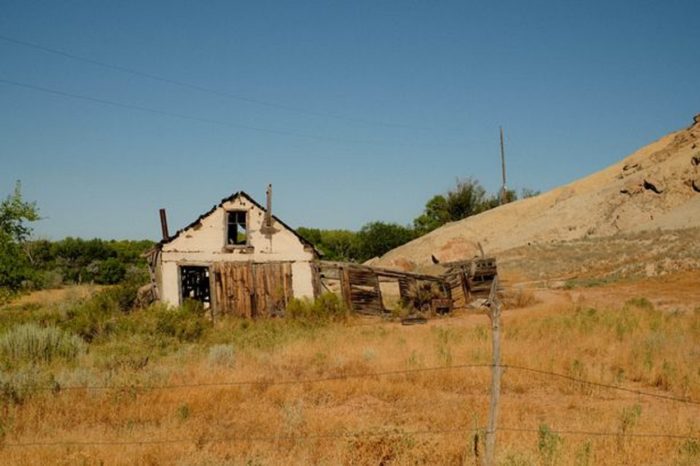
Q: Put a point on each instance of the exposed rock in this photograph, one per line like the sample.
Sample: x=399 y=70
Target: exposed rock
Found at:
x=632 y=187
x=630 y=166
x=696 y=119
x=660 y=190
x=653 y=185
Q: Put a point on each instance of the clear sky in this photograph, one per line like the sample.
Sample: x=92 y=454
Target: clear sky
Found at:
x=354 y=110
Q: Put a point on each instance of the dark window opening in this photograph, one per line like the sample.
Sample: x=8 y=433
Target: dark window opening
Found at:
x=237 y=228
x=195 y=284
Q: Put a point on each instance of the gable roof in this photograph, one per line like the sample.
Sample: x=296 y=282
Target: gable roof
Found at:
x=230 y=198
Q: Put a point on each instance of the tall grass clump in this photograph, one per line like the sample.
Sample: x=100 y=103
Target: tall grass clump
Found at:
x=19 y=385
x=549 y=445
x=326 y=307
x=30 y=343
x=186 y=323
x=222 y=355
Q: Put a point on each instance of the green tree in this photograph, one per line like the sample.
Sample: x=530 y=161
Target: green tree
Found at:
x=467 y=198
x=377 y=238
x=335 y=245
x=15 y=214
x=436 y=214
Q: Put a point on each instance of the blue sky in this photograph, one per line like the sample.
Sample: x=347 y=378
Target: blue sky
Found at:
x=354 y=111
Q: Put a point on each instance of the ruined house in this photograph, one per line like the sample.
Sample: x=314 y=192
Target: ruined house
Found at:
x=237 y=259
x=241 y=260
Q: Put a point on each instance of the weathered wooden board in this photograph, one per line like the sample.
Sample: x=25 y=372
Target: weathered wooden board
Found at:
x=252 y=290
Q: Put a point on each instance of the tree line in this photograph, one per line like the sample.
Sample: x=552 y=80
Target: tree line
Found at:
x=36 y=264
x=467 y=198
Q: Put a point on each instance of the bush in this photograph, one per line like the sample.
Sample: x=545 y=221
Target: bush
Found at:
x=110 y=271
x=548 y=444
x=420 y=296
x=17 y=386
x=325 y=307
x=222 y=355
x=124 y=295
x=92 y=318
x=31 y=343
x=186 y=323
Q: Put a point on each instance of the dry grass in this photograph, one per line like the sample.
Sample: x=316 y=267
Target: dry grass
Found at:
x=56 y=295
x=518 y=298
x=396 y=419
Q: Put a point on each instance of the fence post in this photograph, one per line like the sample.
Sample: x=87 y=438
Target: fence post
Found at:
x=495 y=316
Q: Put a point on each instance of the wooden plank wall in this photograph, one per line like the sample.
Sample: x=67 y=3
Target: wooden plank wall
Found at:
x=252 y=290
x=456 y=283
x=365 y=295
x=469 y=280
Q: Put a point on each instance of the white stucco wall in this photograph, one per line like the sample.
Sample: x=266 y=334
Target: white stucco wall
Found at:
x=205 y=243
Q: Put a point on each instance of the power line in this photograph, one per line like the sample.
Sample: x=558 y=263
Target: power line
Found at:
x=212 y=121
x=197 y=87
x=179 y=115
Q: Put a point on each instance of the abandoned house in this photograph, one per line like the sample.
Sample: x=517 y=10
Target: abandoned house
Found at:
x=237 y=258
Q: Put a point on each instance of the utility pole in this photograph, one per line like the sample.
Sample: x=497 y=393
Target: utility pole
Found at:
x=503 y=169
x=496 y=371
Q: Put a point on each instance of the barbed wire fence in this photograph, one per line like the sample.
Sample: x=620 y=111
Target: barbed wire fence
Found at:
x=57 y=389
x=497 y=368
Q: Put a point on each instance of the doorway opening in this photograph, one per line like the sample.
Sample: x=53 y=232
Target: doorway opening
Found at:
x=194 y=284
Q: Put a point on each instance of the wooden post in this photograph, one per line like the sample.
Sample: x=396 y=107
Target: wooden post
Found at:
x=503 y=169
x=346 y=288
x=496 y=370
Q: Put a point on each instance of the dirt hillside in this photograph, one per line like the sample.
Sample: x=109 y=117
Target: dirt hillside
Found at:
x=657 y=187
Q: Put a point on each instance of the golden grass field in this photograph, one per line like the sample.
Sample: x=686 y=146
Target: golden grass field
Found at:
x=605 y=334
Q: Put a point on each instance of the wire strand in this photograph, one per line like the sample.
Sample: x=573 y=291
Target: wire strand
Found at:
x=337 y=435
x=199 y=88
x=273 y=382
x=599 y=384
x=183 y=116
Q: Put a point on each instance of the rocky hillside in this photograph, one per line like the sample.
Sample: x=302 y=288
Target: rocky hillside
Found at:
x=657 y=187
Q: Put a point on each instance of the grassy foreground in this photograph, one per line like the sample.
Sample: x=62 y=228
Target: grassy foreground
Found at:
x=154 y=398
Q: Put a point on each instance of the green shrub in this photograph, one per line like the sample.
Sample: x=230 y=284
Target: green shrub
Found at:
x=99 y=316
x=640 y=303
x=516 y=459
x=689 y=453
x=584 y=454
x=222 y=355
x=186 y=323
x=324 y=308
x=548 y=444
x=124 y=295
x=183 y=412
x=92 y=318
x=110 y=271
x=32 y=343
x=17 y=386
